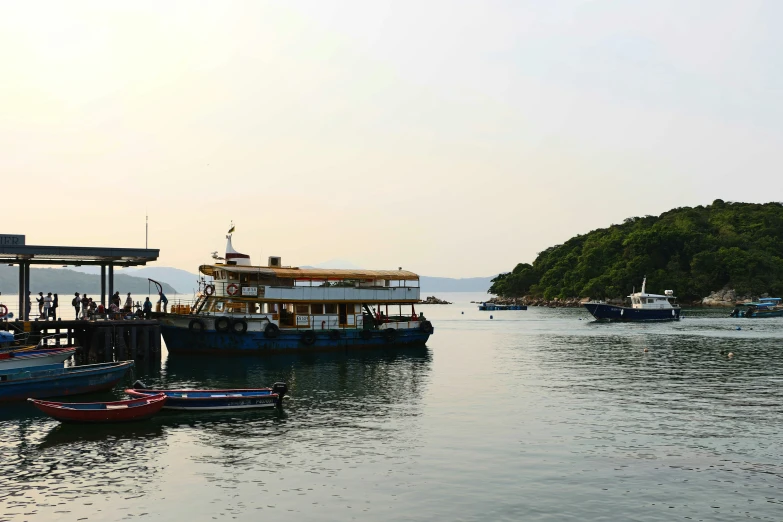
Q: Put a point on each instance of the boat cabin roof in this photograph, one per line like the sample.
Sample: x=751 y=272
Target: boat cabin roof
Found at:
x=313 y=274
x=652 y=296
x=757 y=304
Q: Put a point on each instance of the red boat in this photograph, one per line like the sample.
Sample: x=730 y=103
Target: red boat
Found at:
x=97 y=412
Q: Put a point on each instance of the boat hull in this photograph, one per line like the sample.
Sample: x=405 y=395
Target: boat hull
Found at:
x=103 y=412
x=182 y=340
x=33 y=358
x=212 y=400
x=607 y=312
x=51 y=381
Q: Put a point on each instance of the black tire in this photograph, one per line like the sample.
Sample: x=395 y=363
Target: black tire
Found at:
x=426 y=327
x=197 y=326
x=334 y=335
x=390 y=335
x=239 y=326
x=271 y=331
x=222 y=324
x=308 y=337
x=366 y=335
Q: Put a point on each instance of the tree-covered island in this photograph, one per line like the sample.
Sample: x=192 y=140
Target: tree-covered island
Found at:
x=693 y=251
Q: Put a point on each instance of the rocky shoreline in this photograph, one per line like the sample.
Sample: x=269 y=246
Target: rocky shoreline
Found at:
x=726 y=298
x=433 y=300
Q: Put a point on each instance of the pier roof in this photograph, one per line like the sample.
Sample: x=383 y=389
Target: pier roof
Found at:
x=70 y=255
x=314 y=274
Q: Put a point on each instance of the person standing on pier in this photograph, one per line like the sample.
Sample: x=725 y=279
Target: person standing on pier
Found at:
x=128 y=303
x=163 y=301
x=55 y=305
x=85 y=306
x=46 y=306
x=147 y=308
x=40 y=300
x=76 y=303
x=29 y=306
x=116 y=300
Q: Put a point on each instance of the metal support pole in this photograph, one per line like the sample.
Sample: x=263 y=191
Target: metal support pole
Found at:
x=111 y=281
x=26 y=296
x=20 y=314
x=103 y=285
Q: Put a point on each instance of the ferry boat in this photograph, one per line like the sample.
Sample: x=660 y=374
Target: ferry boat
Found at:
x=245 y=308
x=644 y=307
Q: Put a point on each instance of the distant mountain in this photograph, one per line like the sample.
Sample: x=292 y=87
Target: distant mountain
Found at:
x=186 y=282
x=66 y=282
x=448 y=284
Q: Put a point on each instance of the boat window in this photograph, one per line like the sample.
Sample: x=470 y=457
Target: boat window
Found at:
x=330 y=308
x=301 y=309
x=316 y=308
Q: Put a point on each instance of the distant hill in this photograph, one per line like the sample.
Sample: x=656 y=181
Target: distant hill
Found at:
x=447 y=284
x=185 y=282
x=66 y=282
x=692 y=251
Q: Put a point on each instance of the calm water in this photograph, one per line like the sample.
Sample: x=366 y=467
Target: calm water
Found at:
x=536 y=415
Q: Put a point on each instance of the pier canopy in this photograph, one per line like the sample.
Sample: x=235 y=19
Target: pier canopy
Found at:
x=14 y=251
x=74 y=256
x=314 y=274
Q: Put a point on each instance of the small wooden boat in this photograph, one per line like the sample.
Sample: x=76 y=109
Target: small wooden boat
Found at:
x=32 y=358
x=100 y=412
x=213 y=400
x=56 y=381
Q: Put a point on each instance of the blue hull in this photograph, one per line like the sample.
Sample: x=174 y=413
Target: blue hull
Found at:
x=606 y=312
x=182 y=340
x=56 y=382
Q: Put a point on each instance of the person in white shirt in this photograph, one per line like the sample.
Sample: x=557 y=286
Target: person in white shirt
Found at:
x=47 y=305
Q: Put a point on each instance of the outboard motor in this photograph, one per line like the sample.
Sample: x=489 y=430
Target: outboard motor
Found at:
x=280 y=388
x=138 y=385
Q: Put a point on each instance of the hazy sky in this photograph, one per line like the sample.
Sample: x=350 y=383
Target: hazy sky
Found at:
x=450 y=138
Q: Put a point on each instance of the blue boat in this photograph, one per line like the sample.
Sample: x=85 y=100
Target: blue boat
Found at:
x=492 y=306
x=215 y=400
x=56 y=381
x=764 y=307
x=644 y=307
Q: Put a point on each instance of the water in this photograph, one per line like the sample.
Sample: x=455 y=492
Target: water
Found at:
x=534 y=415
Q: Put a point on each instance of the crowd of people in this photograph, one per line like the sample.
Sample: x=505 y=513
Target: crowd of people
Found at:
x=85 y=308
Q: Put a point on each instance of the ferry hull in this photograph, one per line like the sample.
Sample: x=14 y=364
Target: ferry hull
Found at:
x=182 y=340
x=606 y=312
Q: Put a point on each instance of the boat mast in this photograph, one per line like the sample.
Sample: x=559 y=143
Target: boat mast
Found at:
x=644 y=283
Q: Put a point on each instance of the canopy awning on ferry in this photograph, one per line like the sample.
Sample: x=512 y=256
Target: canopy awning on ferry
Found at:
x=314 y=274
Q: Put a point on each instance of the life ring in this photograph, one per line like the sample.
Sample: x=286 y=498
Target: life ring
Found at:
x=209 y=290
x=222 y=324
x=3 y=310
x=426 y=327
x=232 y=289
x=239 y=326
x=334 y=335
x=366 y=335
x=271 y=331
x=197 y=326
x=390 y=334
x=308 y=337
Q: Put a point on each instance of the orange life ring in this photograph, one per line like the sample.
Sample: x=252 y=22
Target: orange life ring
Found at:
x=209 y=290
x=3 y=310
x=232 y=289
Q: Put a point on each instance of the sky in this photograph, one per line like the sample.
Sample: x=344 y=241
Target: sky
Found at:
x=451 y=138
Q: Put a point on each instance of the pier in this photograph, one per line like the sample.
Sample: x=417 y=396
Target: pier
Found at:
x=99 y=340
x=96 y=341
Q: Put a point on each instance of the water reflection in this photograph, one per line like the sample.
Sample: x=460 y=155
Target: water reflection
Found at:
x=349 y=401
